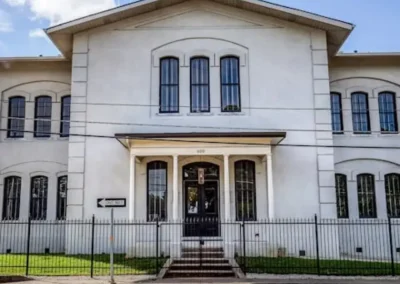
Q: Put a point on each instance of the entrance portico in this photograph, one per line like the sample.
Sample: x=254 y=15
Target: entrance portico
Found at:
x=209 y=152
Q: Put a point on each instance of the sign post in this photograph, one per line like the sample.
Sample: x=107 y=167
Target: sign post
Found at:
x=112 y=281
x=111 y=202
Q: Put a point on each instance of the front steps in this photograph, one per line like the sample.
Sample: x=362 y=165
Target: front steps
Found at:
x=201 y=262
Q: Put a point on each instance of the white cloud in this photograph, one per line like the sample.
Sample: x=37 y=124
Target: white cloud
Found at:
x=60 y=11
x=37 y=33
x=5 y=22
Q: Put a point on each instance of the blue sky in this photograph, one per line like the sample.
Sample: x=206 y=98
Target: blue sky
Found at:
x=377 y=22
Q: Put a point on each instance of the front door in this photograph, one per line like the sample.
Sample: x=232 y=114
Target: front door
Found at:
x=201 y=200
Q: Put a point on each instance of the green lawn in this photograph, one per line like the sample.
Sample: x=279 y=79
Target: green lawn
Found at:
x=309 y=266
x=65 y=265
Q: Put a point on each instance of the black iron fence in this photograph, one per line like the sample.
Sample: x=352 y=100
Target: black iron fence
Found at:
x=279 y=246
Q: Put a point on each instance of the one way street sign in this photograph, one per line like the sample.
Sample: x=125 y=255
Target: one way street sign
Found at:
x=111 y=202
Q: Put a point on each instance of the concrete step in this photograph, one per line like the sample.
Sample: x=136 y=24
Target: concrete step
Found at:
x=204 y=254
x=203 y=249
x=203 y=260
x=199 y=273
x=202 y=266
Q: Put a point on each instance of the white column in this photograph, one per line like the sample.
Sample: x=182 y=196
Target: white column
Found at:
x=227 y=188
x=132 y=183
x=175 y=203
x=270 y=187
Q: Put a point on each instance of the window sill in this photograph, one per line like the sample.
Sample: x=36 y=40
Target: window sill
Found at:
x=200 y=114
x=388 y=134
x=232 y=114
x=168 y=114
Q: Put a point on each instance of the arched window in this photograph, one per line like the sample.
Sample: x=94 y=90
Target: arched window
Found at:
x=336 y=111
x=62 y=197
x=169 y=85
x=245 y=188
x=16 y=117
x=199 y=84
x=38 y=206
x=392 y=188
x=157 y=191
x=11 y=198
x=230 y=84
x=387 y=112
x=65 y=116
x=360 y=110
x=366 y=196
x=43 y=116
x=341 y=196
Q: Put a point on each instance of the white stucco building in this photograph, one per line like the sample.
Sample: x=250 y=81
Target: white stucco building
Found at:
x=228 y=110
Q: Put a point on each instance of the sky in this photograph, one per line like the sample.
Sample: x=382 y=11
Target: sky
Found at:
x=22 y=22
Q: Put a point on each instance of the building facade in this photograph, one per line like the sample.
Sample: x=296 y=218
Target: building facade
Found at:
x=200 y=109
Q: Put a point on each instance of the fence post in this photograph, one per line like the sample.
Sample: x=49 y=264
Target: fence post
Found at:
x=92 y=249
x=391 y=245
x=317 y=244
x=244 y=247
x=28 y=245
x=157 y=245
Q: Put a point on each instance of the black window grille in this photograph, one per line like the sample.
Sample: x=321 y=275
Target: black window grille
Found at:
x=11 y=198
x=387 y=112
x=245 y=188
x=169 y=85
x=38 y=205
x=199 y=84
x=360 y=109
x=341 y=196
x=16 y=117
x=337 y=115
x=65 y=116
x=157 y=191
x=230 y=84
x=43 y=116
x=366 y=196
x=392 y=189
x=62 y=197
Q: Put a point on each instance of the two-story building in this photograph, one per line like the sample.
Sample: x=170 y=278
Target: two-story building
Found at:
x=226 y=110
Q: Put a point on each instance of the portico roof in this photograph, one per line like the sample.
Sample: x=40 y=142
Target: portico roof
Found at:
x=337 y=31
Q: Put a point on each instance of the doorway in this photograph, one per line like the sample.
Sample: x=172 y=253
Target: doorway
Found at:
x=201 y=199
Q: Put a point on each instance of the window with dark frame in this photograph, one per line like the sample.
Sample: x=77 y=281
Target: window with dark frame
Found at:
x=16 y=117
x=387 y=112
x=43 y=106
x=245 y=189
x=157 y=191
x=11 y=198
x=366 y=196
x=62 y=198
x=65 y=116
x=169 y=85
x=336 y=113
x=392 y=189
x=360 y=111
x=38 y=198
x=199 y=84
x=230 y=84
x=341 y=196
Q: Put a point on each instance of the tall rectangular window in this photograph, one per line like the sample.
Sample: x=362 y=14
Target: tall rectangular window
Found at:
x=336 y=112
x=157 y=191
x=230 y=84
x=387 y=112
x=38 y=206
x=16 y=117
x=65 y=116
x=245 y=188
x=169 y=85
x=199 y=84
x=43 y=116
x=360 y=109
x=392 y=189
x=341 y=196
x=366 y=196
x=62 y=197
x=11 y=198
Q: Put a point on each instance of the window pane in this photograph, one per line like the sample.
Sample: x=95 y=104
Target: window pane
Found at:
x=359 y=103
x=11 y=198
x=341 y=196
x=392 y=188
x=366 y=196
x=43 y=116
x=245 y=187
x=387 y=112
x=199 y=74
x=230 y=84
x=336 y=110
x=62 y=198
x=39 y=187
x=157 y=191
x=16 y=117
x=65 y=116
x=169 y=85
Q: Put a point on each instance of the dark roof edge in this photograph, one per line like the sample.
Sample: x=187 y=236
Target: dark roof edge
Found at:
x=203 y=135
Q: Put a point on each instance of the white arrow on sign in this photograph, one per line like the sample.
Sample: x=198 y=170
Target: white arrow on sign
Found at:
x=111 y=202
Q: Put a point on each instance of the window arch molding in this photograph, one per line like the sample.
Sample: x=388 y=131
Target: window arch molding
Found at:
x=44 y=93
x=241 y=54
x=200 y=53
x=357 y=89
x=163 y=53
x=388 y=89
